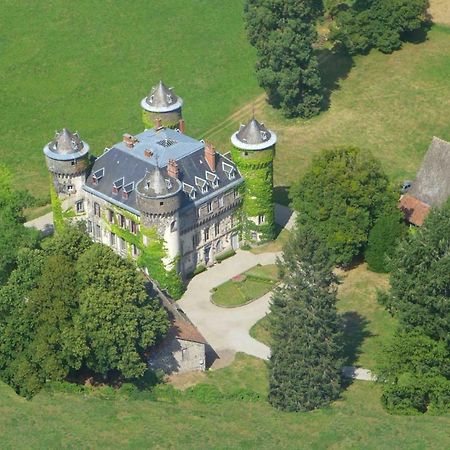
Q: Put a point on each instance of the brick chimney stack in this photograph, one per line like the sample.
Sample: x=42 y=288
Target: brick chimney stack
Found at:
x=210 y=155
x=172 y=169
x=181 y=125
x=129 y=140
x=158 y=124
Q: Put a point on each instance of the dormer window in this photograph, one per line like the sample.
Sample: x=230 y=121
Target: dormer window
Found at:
x=127 y=189
x=202 y=184
x=168 y=183
x=118 y=184
x=213 y=179
x=98 y=175
x=190 y=190
x=229 y=170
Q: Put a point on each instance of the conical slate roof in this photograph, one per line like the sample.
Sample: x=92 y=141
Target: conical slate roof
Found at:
x=161 y=99
x=66 y=143
x=155 y=184
x=253 y=136
x=253 y=133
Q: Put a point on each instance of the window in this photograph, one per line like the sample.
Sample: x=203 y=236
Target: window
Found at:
x=236 y=193
x=79 y=206
x=173 y=226
x=97 y=211
x=194 y=240
x=133 y=227
x=206 y=234
x=221 y=202
x=134 y=250
x=110 y=215
x=98 y=232
x=89 y=226
x=122 y=244
x=70 y=188
x=122 y=221
x=210 y=207
x=112 y=239
x=261 y=219
x=217 y=229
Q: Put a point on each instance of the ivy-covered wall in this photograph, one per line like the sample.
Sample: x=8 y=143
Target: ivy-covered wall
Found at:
x=257 y=169
x=169 y=120
x=58 y=215
x=152 y=255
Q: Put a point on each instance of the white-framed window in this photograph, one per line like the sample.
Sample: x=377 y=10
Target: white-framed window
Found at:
x=97 y=210
x=112 y=239
x=221 y=201
x=122 y=244
x=122 y=221
x=79 y=205
x=209 y=207
x=261 y=219
x=70 y=188
x=98 y=232
x=89 y=226
x=206 y=234
x=217 y=229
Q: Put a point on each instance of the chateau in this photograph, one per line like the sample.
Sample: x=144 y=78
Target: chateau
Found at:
x=162 y=197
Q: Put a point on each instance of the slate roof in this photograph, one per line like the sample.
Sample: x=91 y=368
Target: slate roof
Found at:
x=155 y=184
x=415 y=211
x=253 y=136
x=432 y=184
x=132 y=164
x=161 y=99
x=66 y=146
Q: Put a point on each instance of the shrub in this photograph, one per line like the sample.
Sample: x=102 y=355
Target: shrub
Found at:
x=383 y=239
x=224 y=255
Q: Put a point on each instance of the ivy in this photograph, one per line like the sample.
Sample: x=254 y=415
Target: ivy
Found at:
x=257 y=191
x=58 y=215
x=148 y=121
x=152 y=255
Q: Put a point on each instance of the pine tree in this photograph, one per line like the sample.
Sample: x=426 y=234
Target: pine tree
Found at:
x=305 y=366
x=283 y=33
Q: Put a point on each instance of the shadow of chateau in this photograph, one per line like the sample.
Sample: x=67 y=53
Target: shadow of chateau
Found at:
x=334 y=66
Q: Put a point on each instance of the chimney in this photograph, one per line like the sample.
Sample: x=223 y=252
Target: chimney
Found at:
x=172 y=169
x=148 y=153
x=158 y=124
x=129 y=140
x=210 y=155
x=181 y=125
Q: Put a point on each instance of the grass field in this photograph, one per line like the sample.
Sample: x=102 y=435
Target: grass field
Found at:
x=78 y=421
x=391 y=105
x=255 y=283
x=87 y=66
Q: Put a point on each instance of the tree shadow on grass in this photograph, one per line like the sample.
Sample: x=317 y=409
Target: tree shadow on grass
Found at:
x=334 y=66
x=355 y=332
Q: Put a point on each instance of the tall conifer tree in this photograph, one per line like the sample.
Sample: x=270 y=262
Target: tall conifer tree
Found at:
x=283 y=33
x=305 y=366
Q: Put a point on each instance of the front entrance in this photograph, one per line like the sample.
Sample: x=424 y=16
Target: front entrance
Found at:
x=207 y=254
x=234 y=241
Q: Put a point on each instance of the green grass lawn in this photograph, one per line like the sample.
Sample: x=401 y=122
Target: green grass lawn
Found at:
x=357 y=421
x=255 y=283
x=88 y=66
x=391 y=105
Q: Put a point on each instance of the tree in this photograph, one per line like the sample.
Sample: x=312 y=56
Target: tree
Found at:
x=306 y=363
x=283 y=33
x=415 y=365
x=379 y=24
x=383 y=240
x=341 y=195
x=119 y=318
x=11 y=224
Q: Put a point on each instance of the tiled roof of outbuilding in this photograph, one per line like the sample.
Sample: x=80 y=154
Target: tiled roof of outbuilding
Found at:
x=415 y=210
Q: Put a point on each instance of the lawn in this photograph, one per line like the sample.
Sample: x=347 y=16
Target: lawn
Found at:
x=194 y=420
x=390 y=105
x=87 y=66
x=246 y=287
x=367 y=324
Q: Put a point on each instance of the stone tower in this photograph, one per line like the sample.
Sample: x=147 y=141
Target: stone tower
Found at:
x=159 y=199
x=67 y=158
x=162 y=108
x=253 y=152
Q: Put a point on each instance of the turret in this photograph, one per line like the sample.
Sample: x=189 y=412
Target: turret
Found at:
x=67 y=158
x=159 y=199
x=162 y=108
x=253 y=152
